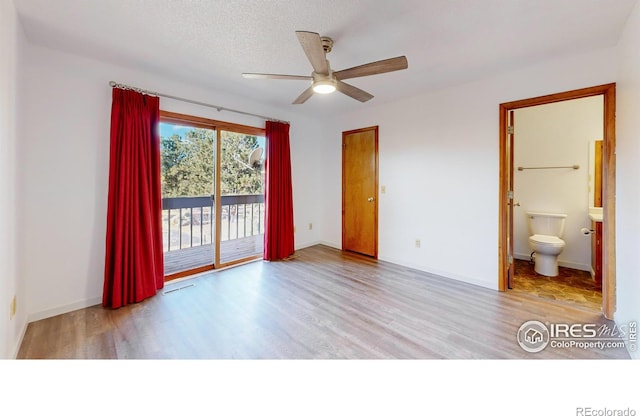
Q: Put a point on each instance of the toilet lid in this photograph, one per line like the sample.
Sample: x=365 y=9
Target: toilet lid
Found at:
x=547 y=239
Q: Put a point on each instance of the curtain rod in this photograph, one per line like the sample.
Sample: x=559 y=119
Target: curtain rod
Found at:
x=217 y=107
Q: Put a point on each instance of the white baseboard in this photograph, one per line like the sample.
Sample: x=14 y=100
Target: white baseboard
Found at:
x=561 y=263
x=440 y=273
x=576 y=266
x=305 y=245
x=37 y=316
x=64 y=309
x=328 y=244
x=16 y=348
x=521 y=256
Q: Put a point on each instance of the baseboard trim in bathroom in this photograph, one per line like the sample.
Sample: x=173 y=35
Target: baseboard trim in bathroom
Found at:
x=567 y=264
x=570 y=286
x=575 y=266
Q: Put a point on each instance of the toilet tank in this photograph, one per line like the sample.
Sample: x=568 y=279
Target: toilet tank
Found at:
x=545 y=223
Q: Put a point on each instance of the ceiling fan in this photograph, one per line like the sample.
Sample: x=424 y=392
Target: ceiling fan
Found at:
x=323 y=79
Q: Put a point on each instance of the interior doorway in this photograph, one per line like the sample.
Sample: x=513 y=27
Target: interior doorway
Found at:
x=360 y=191
x=555 y=173
x=507 y=261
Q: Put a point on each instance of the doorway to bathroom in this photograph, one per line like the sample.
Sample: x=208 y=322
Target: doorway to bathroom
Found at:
x=557 y=182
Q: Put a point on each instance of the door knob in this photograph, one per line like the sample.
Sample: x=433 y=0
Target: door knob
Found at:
x=370 y=199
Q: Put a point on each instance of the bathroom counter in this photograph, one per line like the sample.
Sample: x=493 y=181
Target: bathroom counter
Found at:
x=595 y=217
x=595 y=214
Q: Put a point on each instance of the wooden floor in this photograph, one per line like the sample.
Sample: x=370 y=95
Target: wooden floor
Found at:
x=190 y=258
x=320 y=304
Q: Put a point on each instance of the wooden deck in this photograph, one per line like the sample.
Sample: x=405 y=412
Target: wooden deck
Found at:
x=180 y=260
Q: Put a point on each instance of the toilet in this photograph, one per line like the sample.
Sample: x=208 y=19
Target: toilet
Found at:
x=545 y=239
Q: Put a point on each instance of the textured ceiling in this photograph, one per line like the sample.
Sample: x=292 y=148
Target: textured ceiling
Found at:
x=212 y=42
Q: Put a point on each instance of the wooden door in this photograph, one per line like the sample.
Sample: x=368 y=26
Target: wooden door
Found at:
x=359 y=191
x=510 y=198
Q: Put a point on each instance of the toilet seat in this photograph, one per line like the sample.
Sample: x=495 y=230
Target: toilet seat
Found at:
x=547 y=240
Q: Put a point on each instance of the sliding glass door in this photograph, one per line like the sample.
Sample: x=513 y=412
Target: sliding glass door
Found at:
x=212 y=193
x=188 y=215
x=241 y=196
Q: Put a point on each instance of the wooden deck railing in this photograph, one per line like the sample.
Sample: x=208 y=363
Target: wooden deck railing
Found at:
x=189 y=221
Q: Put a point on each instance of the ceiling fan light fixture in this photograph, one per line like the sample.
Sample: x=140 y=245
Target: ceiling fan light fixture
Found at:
x=325 y=86
x=323 y=80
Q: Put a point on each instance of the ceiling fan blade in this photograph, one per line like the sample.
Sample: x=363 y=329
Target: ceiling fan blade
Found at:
x=353 y=92
x=274 y=76
x=373 y=68
x=306 y=94
x=312 y=45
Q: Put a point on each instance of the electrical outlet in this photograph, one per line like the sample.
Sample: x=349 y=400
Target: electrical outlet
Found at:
x=12 y=307
x=417 y=243
x=311 y=226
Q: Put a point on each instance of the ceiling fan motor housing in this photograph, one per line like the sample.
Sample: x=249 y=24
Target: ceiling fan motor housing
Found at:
x=327 y=44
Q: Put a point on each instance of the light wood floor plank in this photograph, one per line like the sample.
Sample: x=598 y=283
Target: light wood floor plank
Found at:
x=320 y=304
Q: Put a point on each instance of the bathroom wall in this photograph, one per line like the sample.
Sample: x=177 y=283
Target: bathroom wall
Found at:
x=558 y=134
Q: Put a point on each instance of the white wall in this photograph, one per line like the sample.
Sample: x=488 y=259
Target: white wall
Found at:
x=439 y=161
x=66 y=134
x=557 y=134
x=627 y=175
x=11 y=284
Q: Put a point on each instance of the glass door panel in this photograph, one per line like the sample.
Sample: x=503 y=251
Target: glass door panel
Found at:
x=241 y=196
x=188 y=213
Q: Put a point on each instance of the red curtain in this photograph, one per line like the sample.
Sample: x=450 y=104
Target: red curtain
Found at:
x=278 y=234
x=134 y=265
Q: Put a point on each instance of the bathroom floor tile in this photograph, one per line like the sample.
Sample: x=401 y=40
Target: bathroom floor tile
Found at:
x=571 y=286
